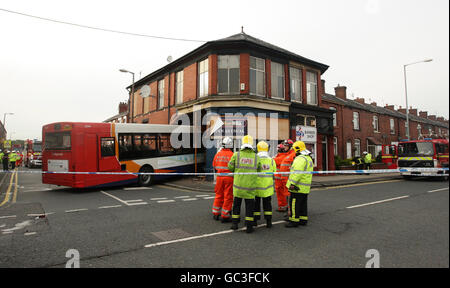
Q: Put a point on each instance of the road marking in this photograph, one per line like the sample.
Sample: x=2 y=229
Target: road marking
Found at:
x=7 y=217
x=139 y=203
x=30 y=233
x=39 y=215
x=158 y=199
x=203 y=195
x=355 y=185
x=189 y=199
x=15 y=188
x=107 y=207
x=137 y=188
x=76 y=210
x=114 y=197
x=377 y=202
x=181 y=197
x=166 y=201
x=211 y=197
x=203 y=236
x=432 y=191
x=9 y=190
x=137 y=200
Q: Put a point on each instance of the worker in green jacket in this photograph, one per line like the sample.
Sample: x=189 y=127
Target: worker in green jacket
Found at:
x=266 y=186
x=244 y=186
x=299 y=185
x=367 y=160
x=13 y=159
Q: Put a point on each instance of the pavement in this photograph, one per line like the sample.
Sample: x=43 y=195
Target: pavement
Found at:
x=201 y=184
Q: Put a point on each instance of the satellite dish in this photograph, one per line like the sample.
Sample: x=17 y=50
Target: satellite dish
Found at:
x=169 y=59
x=145 y=91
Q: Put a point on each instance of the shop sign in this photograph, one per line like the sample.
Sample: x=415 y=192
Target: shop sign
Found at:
x=306 y=134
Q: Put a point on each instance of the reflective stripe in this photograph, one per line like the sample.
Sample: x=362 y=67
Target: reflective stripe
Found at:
x=293 y=209
x=221 y=167
x=244 y=188
x=264 y=188
x=303 y=218
x=415 y=158
x=294 y=219
x=266 y=176
x=249 y=219
x=267 y=212
x=285 y=165
x=257 y=213
x=235 y=216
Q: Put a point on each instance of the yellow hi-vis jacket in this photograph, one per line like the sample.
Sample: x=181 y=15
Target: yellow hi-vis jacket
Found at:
x=368 y=158
x=301 y=181
x=265 y=181
x=245 y=161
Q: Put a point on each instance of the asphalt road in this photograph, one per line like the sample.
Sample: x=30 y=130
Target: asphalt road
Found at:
x=406 y=222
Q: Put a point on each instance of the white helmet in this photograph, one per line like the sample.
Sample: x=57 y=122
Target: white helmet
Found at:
x=227 y=141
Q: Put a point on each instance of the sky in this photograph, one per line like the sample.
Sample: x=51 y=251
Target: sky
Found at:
x=51 y=72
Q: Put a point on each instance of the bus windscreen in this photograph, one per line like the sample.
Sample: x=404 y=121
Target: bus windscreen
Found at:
x=415 y=149
x=57 y=141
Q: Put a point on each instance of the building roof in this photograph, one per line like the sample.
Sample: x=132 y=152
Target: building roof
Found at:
x=240 y=40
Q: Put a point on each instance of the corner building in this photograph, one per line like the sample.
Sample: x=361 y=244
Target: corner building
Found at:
x=251 y=86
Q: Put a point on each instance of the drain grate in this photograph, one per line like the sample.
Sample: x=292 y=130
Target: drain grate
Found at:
x=172 y=234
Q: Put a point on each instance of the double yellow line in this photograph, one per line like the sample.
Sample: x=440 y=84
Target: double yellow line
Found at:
x=8 y=192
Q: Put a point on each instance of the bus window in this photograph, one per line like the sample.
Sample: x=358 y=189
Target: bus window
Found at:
x=165 y=148
x=125 y=146
x=58 y=141
x=107 y=146
x=149 y=145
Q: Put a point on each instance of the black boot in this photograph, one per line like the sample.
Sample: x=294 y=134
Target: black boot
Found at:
x=226 y=220
x=255 y=223
x=216 y=217
x=249 y=228
x=234 y=226
x=269 y=223
x=291 y=224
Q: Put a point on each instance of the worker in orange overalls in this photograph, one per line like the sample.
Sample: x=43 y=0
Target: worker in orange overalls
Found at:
x=223 y=201
x=279 y=187
x=285 y=166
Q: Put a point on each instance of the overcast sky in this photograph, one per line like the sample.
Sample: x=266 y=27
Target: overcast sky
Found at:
x=53 y=72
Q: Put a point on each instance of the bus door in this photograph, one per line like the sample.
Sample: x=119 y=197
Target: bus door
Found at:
x=107 y=160
x=389 y=156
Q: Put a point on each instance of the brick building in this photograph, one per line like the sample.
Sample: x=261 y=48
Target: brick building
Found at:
x=2 y=134
x=255 y=82
x=121 y=117
x=361 y=126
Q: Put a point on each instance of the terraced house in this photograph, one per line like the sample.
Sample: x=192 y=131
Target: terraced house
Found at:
x=255 y=83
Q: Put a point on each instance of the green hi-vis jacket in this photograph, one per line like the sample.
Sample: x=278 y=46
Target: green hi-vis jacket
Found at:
x=368 y=158
x=265 y=181
x=13 y=157
x=245 y=161
x=301 y=181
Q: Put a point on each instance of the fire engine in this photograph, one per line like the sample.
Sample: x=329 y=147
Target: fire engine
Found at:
x=33 y=156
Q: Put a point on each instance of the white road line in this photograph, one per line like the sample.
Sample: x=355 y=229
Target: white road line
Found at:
x=203 y=195
x=166 y=201
x=137 y=188
x=377 y=202
x=158 y=198
x=6 y=217
x=107 y=207
x=7 y=232
x=139 y=203
x=189 y=199
x=131 y=201
x=43 y=214
x=116 y=198
x=202 y=236
x=211 y=197
x=432 y=191
x=76 y=210
x=30 y=233
x=181 y=197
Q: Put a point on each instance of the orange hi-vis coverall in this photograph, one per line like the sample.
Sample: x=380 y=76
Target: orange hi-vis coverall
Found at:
x=223 y=201
x=279 y=187
x=285 y=166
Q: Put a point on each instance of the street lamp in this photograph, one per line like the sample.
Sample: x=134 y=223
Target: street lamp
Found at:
x=132 y=95
x=4 y=121
x=406 y=94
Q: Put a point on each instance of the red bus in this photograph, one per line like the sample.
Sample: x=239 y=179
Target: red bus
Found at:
x=113 y=147
x=427 y=153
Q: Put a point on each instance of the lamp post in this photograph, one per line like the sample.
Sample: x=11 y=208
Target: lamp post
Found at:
x=131 y=97
x=406 y=94
x=4 y=122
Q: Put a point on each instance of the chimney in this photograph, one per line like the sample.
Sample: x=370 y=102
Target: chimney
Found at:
x=359 y=100
x=423 y=114
x=412 y=111
x=401 y=110
x=123 y=107
x=440 y=119
x=373 y=104
x=390 y=107
x=432 y=117
x=341 y=92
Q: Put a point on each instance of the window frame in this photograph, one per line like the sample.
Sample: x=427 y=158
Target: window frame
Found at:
x=161 y=88
x=203 y=78
x=308 y=88
x=357 y=147
x=376 y=123
x=392 y=125
x=300 y=80
x=356 y=123
x=179 y=86
x=257 y=72
x=228 y=69
x=272 y=76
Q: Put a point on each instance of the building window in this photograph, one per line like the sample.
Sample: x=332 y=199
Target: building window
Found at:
x=277 y=71
x=375 y=123
x=334 y=116
x=257 y=76
x=335 y=145
x=419 y=130
x=160 y=94
x=392 y=125
x=311 y=121
x=349 y=149
x=311 y=88
x=228 y=74
x=296 y=84
x=203 y=78
x=179 y=87
x=355 y=121
x=357 y=148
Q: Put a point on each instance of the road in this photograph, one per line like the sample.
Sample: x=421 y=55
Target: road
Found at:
x=406 y=222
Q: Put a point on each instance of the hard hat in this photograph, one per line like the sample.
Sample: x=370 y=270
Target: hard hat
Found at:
x=227 y=141
x=365 y=152
x=280 y=147
x=288 y=143
x=262 y=146
x=247 y=139
x=299 y=146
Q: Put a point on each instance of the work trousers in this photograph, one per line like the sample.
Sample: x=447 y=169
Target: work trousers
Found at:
x=224 y=197
x=267 y=208
x=13 y=165
x=282 y=194
x=249 y=208
x=298 y=208
x=5 y=165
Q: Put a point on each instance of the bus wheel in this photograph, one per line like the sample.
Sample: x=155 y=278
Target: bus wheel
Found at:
x=145 y=180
